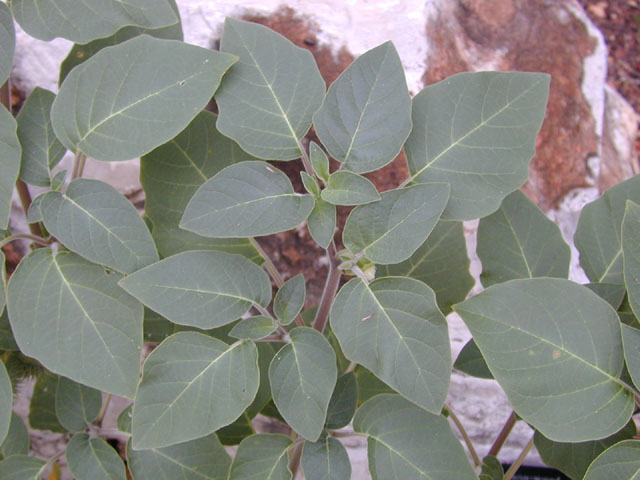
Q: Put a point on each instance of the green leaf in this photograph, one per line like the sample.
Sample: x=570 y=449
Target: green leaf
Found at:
x=200 y=459
x=325 y=459
x=310 y=184
x=366 y=115
x=441 y=262
x=3 y=283
x=626 y=314
x=10 y=153
x=631 y=342
x=471 y=361
x=172 y=173
x=598 y=237
x=631 y=254
x=191 y=386
x=7 y=42
x=261 y=457
x=573 y=459
x=41 y=150
x=290 y=299
x=622 y=461
x=266 y=352
x=123 y=421
x=200 y=288
x=7 y=341
x=82 y=52
x=71 y=316
x=477 y=132
x=253 y=328
x=248 y=199
x=413 y=355
x=519 y=241
x=612 y=293
x=135 y=105
x=21 y=467
x=237 y=431
x=91 y=209
x=348 y=188
x=58 y=180
x=268 y=98
x=322 y=222
x=17 y=441
x=343 y=402
x=42 y=413
x=302 y=376
x=392 y=229
x=319 y=161
x=93 y=459
x=560 y=370
x=84 y=21
x=491 y=469
x=76 y=405
x=369 y=385
x=6 y=402
x=405 y=442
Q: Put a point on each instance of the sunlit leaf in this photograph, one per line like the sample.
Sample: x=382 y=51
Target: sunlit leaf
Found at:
x=319 y=161
x=253 y=327
x=348 y=188
x=325 y=459
x=622 y=461
x=76 y=405
x=10 y=153
x=261 y=457
x=290 y=299
x=322 y=222
x=93 y=459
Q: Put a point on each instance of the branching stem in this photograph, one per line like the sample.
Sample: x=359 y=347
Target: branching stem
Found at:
x=329 y=292
x=502 y=436
x=465 y=436
x=516 y=465
x=25 y=236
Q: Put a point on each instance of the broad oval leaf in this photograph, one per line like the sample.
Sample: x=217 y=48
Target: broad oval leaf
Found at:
x=631 y=343
x=84 y=21
x=407 y=443
x=322 y=222
x=631 y=254
x=392 y=229
x=71 y=316
x=6 y=402
x=261 y=457
x=441 y=262
x=302 y=376
x=93 y=459
x=413 y=356
x=76 y=405
x=200 y=459
x=598 y=236
x=192 y=385
x=519 y=241
x=247 y=199
x=172 y=173
x=268 y=98
x=7 y=42
x=17 y=441
x=41 y=150
x=21 y=467
x=144 y=92
x=201 y=288
x=366 y=115
x=621 y=461
x=325 y=459
x=10 y=153
x=91 y=209
x=348 y=188
x=560 y=370
x=612 y=293
x=42 y=412
x=344 y=401
x=253 y=328
x=477 y=132
x=290 y=299
x=573 y=459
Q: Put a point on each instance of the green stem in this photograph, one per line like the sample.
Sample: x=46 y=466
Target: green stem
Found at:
x=25 y=236
x=467 y=440
x=306 y=162
x=296 y=455
x=502 y=436
x=636 y=395
x=78 y=165
x=516 y=465
x=329 y=292
x=103 y=411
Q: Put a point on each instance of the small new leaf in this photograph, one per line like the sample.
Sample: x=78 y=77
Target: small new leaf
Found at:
x=348 y=188
x=290 y=299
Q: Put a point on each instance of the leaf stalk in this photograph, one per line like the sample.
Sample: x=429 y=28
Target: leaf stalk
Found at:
x=467 y=440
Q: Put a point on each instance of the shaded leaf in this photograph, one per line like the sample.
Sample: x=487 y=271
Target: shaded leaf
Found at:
x=344 y=400
x=42 y=413
x=84 y=21
x=170 y=406
x=392 y=229
x=3 y=283
x=405 y=442
x=21 y=467
x=7 y=342
x=369 y=385
x=325 y=459
x=71 y=316
x=123 y=422
x=631 y=254
x=200 y=459
x=348 y=188
x=6 y=402
x=93 y=459
x=561 y=370
x=441 y=262
x=302 y=376
x=491 y=469
x=200 y=288
x=319 y=161
x=626 y=314
x=10 y=153
x=235 y=432
x=366 y=115
x=290 y=299
x=268 y=97
x=253 y=328
x=134 y=108
x=471 y=361
x=76 y=405
x=622 y=461
x=519 y=241
x=7 y=42
x=248 y=199
x=413 y=356
x=322 y=222
x=477 y=132
x=91 y=209
x=17 y=441
x=631 y=342
x=612 y=293
x=261 y=457
x=598 y=235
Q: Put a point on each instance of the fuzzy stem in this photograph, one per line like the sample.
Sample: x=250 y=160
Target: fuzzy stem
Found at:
x=502 y=436
x=306 y=162
x=516 y=465
x=103 y=411
x=25 y=236
x=78 y=165
x=465 y=436
x=329 y=292
x=268 y=263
